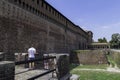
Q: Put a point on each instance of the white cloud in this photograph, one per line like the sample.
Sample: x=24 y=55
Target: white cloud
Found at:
x=105 y=27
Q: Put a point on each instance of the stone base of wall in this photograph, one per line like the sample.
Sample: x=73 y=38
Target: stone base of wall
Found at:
x=7 y=70
x=88 y=57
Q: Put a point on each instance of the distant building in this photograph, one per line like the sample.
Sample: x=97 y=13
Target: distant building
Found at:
x=99 y=45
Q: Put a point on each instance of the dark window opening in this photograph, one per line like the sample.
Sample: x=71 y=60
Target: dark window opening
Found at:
x=42 y=4
x=53 y=11
x=15 y=0
x=37 y=1
x=30 y=7
x=36 y=11
x=46 y=7
x=20 y=1
x=33 y=9
x=23 y=4
x=49 y=9
x=26 y=5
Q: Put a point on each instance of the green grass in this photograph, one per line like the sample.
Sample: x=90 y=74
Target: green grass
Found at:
x=97 y=75
x=94 y=75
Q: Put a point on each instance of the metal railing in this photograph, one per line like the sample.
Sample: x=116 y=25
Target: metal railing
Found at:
x=36 y=60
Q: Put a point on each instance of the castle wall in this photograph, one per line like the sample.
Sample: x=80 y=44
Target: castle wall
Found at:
x=27 y=22
x=88 y=57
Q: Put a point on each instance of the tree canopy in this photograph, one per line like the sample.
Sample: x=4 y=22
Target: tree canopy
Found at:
x=102 y=40
x=115 y=40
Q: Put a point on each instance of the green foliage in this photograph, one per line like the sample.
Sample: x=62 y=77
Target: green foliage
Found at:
x=115 y=57
x=100 y=40
x=111 y=60
x=115 y=40
x=104 y=40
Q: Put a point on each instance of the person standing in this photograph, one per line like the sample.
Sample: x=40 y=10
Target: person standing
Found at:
x=31 y=56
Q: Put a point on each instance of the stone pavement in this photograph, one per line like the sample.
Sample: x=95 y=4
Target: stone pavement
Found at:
x=25 y=73
x=116 y=50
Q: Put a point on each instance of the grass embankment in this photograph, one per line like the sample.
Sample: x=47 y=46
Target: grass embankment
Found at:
x=94 y=75
x=103 y=66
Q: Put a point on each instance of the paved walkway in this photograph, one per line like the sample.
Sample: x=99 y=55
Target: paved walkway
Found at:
x=109 y=69
x=116 y=50
x=25 y=73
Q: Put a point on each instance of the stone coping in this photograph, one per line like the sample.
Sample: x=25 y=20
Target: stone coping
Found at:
x=6 y=62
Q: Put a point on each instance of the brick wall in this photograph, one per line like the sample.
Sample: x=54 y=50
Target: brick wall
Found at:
x=88 y=57
x=20 y=27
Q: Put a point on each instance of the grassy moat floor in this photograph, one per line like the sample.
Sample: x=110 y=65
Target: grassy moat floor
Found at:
x=95 y=72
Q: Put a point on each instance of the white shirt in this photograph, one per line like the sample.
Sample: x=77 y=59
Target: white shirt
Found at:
x=31 y=52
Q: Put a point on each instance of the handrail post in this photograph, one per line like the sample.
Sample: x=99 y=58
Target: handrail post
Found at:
x=62 y=66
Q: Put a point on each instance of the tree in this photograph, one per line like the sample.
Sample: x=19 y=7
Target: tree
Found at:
x=104 y=40
x=100 y=40
x=115 y=40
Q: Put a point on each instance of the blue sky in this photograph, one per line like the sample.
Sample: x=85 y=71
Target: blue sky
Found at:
x=102 y=17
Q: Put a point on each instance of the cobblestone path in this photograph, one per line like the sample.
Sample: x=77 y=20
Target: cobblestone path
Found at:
x=25 y=73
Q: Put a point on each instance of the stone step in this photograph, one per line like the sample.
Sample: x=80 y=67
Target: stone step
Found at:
x=75 y=77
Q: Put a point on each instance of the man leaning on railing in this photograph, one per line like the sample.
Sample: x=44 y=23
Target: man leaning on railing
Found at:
x=31 y=56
